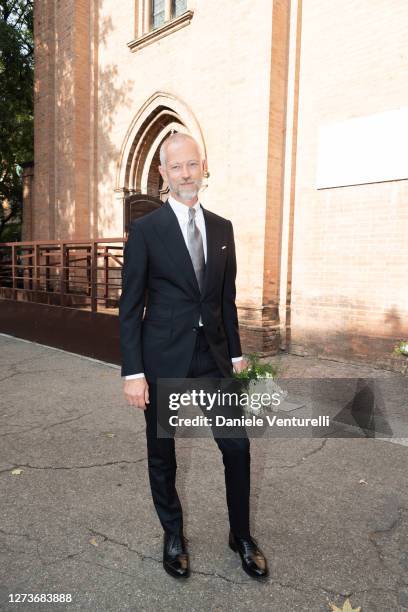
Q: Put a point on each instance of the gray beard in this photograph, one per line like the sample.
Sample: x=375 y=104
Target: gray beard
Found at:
x=188 y=195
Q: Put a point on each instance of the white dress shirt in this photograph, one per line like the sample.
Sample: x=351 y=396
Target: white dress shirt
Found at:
x=181 y=212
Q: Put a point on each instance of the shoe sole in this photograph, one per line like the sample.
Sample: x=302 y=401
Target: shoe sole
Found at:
x=175 y=575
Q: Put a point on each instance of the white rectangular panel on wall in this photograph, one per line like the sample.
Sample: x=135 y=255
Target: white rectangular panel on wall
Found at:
x=368 y=149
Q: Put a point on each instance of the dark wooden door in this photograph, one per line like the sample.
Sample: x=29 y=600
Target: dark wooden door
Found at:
x=138 y=205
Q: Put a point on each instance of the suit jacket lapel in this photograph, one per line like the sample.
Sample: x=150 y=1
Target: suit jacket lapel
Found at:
x=173 y=241
x=212 y=241
x=172 y=238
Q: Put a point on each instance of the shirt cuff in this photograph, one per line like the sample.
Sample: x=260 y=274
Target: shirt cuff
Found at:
x=132 y=376
x=234 y=359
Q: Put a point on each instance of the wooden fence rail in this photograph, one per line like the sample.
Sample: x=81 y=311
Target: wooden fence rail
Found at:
x=84 y=274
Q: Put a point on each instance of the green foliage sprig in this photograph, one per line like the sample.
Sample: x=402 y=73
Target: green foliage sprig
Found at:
x=401 y=348
x=256 y=370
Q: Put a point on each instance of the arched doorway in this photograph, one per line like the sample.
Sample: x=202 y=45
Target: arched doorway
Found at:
x=138 y=178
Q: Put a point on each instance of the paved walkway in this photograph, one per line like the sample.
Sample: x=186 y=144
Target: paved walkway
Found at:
x=331 y=514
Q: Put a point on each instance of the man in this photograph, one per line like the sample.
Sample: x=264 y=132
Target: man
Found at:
x=183 y=256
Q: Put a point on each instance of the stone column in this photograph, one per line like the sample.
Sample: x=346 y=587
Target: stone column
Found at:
x=167 y=10
x=120 y=195
x=259 y=322
x=147 y=16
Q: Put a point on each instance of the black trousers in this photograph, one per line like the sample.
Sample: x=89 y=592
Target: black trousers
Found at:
x=162 y=463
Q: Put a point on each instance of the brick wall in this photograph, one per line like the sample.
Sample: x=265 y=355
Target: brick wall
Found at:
x=350 y=263
x=62 y=119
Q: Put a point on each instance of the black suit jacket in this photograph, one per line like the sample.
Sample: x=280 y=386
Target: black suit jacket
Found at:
x=157 y=270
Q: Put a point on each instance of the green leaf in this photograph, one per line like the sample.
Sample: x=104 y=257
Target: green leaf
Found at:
x=16 y=109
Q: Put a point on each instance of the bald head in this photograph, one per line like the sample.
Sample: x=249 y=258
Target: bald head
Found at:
x=174 y=141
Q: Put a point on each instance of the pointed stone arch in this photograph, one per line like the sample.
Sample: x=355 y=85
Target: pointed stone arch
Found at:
x=137 y=169
x=138 y=178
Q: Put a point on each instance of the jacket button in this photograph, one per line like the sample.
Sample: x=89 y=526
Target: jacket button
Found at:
x=195 y=329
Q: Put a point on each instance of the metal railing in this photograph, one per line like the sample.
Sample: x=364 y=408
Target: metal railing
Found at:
x=85 y=274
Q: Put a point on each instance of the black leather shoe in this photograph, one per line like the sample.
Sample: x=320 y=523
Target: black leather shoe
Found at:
x=175 y=555
x=253 y=559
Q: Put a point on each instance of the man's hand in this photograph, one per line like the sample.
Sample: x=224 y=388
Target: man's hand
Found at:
x=240 y=365
x=137 y=392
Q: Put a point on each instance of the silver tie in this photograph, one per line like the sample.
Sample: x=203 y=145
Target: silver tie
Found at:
x=195 y=247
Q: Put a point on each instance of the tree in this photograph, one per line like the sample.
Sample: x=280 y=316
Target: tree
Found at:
x=16 y=109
